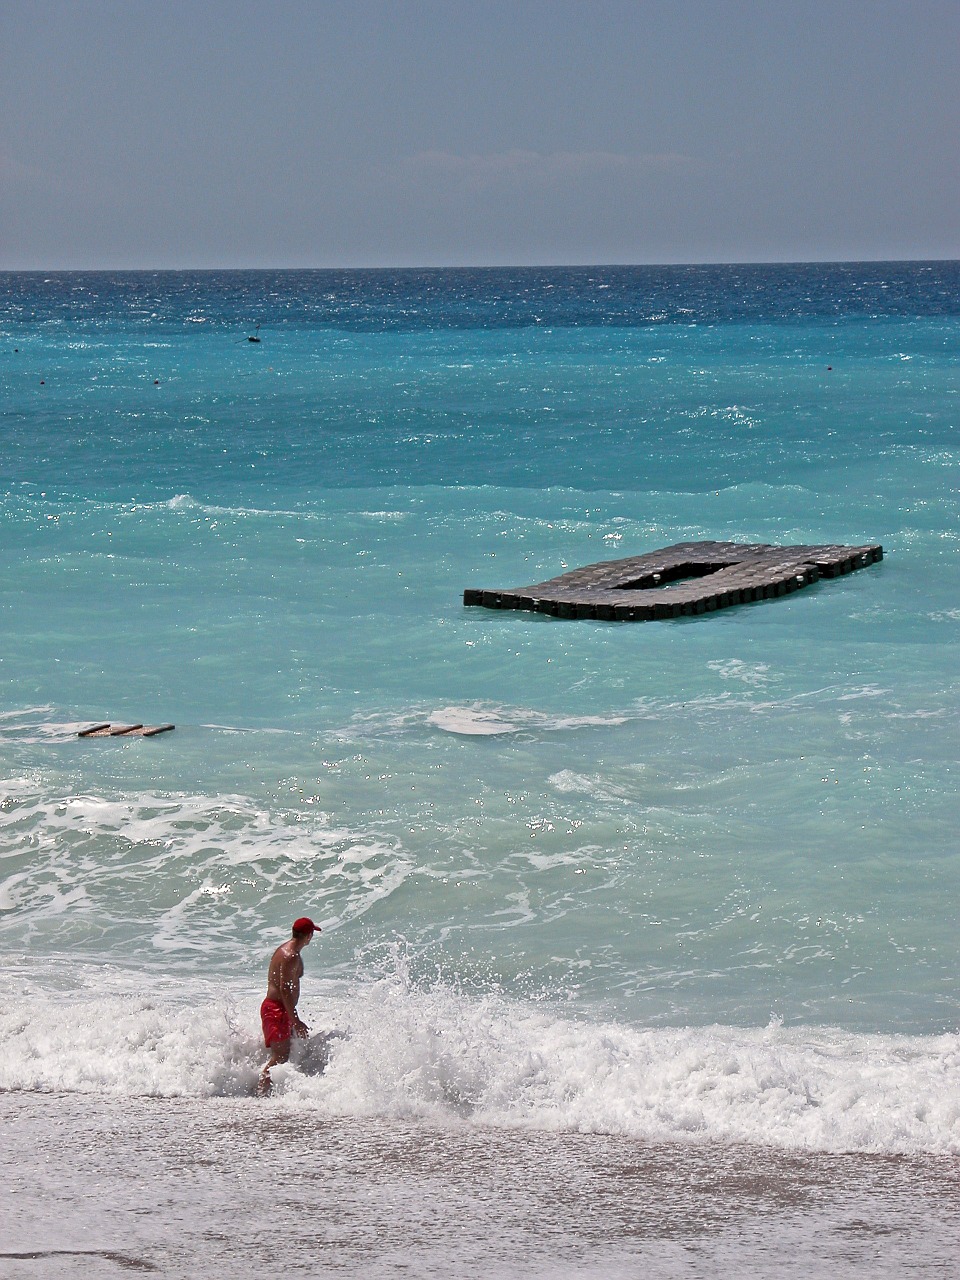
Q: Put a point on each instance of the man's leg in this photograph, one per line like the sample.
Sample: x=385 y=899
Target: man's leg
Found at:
x=278 y=1056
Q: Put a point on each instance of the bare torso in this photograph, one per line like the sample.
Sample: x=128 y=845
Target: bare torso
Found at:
x=283 y=977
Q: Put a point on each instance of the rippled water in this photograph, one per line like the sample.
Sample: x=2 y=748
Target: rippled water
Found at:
x=693 y=880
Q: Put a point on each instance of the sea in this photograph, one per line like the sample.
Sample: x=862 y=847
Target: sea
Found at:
x=640 y=951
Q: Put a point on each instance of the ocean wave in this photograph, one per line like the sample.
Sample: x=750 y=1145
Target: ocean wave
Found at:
x=94 y=865
x=186 y=502
x=752 y=688
x=433 y=1052
x=182 y=505
x=479 y=719
x=755 y=674
x=474 y=719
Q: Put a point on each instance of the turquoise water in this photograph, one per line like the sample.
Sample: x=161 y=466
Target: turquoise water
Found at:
x=739 y=829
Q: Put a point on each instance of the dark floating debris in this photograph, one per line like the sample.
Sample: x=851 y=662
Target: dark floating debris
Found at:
x=679 y=581
x=255 y=336
x=108 y=730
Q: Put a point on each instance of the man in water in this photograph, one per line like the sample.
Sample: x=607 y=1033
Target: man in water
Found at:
x=278 y=1013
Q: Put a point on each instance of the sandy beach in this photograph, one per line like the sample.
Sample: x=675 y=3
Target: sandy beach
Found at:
x=183 y=1188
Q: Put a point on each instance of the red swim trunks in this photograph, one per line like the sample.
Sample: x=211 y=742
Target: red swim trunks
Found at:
x=277 y=1023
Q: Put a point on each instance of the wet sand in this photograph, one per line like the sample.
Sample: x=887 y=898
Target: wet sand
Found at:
x=105 y=1187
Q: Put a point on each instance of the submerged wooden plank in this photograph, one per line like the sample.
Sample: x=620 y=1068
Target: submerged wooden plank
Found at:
x=687 y=579
x=108 y=730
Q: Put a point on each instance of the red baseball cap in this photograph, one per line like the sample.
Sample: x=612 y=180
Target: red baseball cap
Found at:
x=304 y=925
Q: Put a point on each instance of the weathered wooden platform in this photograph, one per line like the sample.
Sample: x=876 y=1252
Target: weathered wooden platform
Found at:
x=107 y=730
x=679 y=581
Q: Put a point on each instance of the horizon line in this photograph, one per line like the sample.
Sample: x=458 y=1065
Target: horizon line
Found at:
x=518 y=266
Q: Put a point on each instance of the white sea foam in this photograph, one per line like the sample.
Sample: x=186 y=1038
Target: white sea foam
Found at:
x=482 y=720
x=152 y=864
x=436 y=1053
x=22 y=713
x=755 y=674
x=28 y=728
x=185 y=502
x=568 y=782
x=470 y=720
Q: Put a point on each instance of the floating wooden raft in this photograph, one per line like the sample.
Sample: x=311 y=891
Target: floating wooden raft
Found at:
x=688 y=578
x=108 y=730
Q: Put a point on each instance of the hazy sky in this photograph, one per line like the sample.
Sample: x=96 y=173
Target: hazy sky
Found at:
x=153 y=133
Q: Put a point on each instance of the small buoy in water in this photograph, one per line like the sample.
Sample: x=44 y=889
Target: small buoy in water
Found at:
x=156 y=382
x=42 y=383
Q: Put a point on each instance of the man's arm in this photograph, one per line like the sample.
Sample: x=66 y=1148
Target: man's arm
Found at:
x=291 y=968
